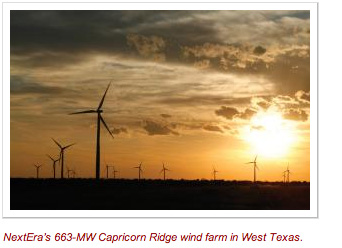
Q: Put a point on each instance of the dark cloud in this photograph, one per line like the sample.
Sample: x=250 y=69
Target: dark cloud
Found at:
x=287 y=80
x=259 y=50
x=212 y=128
x=148 y=46
x=264 y=104
x=119 y=130
x=231 y=113
x=67 y=31
x=165 y=115
x=247 y=114
x=155 y=128
x=296 y=115
x=218 y=40
x=21 y=85
x=227 y=112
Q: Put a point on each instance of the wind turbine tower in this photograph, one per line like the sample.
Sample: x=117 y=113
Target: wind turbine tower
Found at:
x=70 y=172
x=98 y=111
x=61 y=155
x=37 y=169
x=139 y=170
x=214 y=173
x=164 y=170
x=54 y=161
x=288 y=173
x=107 y=168
x=114 y=172
x=255 y=167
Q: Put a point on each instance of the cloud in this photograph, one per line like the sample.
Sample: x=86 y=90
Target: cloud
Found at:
x=295 y=115
x=22 y=85
x=155 y=128
x=212 y=128
x=119 y=130
x=149 y=47
x=258 y=128
x=220 y=40
x=165 y=115
x=264 y=104
x=202 y=64
x=247 y=114
x=227 y=112
x=259 y=50
x=230 y=113
x=227 y=127
x=303 y=96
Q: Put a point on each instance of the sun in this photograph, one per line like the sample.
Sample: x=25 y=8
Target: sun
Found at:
x=269 y=134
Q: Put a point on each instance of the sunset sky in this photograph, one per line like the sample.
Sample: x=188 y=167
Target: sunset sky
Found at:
x=193 y=89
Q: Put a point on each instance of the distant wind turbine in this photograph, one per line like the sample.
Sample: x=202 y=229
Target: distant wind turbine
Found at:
x=284 y=176
x=255 y=166
x=37 y=169
x=98 y=111
x=61 y=155
x=114 y=172
x=139 y=169
x=214 y=173
x=54 y=161
x=107 y=168
x=70 y=172
x=288 y=173
x=164 y=170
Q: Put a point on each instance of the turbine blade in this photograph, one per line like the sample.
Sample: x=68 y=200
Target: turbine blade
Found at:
x=60 y=146
x=255 y=158
x=249 y=163
x=50 y=157
x=104 y=123
x=84 y=112
x=65 y=147
x=102 y=100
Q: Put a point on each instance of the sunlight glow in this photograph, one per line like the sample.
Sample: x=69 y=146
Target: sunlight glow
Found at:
x=269 y=134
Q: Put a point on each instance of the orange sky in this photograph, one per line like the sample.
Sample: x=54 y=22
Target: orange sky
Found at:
x=195 y=90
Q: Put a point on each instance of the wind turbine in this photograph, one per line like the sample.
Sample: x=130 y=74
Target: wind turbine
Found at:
x=54 y=161
x=70 y=170
x=255 y=166
x=164 y=170
x=288 y=173
x=114 y=172
x=61 y=155
x=107 y=167
x=37 y=168
x=214 y=173
x=98 y=111
x=284 y=176
x=139 y=169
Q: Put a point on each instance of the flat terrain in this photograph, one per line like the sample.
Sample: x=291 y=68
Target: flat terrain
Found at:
x=88 y=194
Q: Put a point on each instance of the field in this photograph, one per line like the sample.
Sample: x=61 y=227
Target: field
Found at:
x=122 y=194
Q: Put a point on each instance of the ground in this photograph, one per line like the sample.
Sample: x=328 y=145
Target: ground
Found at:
x=89 y=194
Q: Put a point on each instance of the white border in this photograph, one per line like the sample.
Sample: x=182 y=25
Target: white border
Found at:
x=313 y=212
